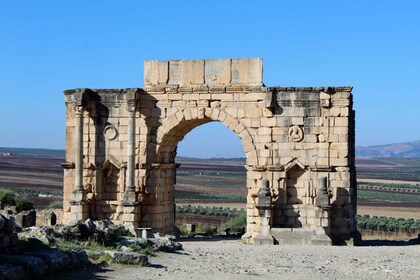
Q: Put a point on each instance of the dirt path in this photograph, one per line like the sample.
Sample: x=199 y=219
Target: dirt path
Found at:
x=234 y=260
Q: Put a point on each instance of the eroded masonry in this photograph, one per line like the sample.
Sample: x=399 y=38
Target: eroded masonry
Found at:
x=298 y=141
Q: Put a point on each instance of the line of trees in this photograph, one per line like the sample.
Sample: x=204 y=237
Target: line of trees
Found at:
x=388 y=224
x=209 y=211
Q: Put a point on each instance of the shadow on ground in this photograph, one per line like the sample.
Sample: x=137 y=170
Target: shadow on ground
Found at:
x=90 y=272
x=379 y=242
x=209 y=238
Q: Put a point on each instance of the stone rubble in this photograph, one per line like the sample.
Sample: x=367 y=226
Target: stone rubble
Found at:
x=28 y=258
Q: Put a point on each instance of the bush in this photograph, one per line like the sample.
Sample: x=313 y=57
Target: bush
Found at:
x=7 y=197
x=11 y=198
x=56 y=205
x=237 y=222
x=23 y=204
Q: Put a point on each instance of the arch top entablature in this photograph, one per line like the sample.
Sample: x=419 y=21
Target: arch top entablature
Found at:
x=175 y=126
x=110 y=160
x=292 y=163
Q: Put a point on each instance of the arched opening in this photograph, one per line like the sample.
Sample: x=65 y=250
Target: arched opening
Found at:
x=175 y=127
x=163 y=173
x=210 y=189
x=211 y=140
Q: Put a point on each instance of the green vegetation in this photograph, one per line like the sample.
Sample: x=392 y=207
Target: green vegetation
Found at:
x=35 y=192
x=67 y=246
x=213 y=181
x=389 y=186
x=394 y=173
x=100 y=258
x=201 y=228
x=11 y=198
x=387 y=224
x=236 y=221
x=389 y=196
x=56 y=205
x=209 y=211
x=185 y=195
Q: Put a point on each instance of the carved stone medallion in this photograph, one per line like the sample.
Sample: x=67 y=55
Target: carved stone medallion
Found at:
x=295 y=133
x=110 y=132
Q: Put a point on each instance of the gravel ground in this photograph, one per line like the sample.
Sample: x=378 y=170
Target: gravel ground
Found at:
x=230 y=259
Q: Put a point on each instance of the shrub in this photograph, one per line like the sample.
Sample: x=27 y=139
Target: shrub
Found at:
x=7 y=197
x=237 y=222
x=11 y=198
x=56 y=205
x=23 y=204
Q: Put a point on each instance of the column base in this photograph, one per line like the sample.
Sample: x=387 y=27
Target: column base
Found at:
x=261 y=239
x=77 y=196
x=300 y=236
x=129 y=198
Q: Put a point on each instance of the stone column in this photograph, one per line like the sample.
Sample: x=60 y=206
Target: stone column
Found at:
x=129 y=194
x=78 y=184
x=264 y=207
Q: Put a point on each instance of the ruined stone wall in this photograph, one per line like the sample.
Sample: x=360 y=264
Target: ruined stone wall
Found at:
x=292 y=136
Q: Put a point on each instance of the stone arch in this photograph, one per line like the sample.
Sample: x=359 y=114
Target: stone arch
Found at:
x=292 y=136
x=175 y=126
x=172 y=130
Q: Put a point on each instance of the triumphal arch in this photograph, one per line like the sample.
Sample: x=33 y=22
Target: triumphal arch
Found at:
x=299 y=146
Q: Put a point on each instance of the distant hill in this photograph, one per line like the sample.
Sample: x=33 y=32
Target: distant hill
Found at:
x=235 y=161
x=398 y=150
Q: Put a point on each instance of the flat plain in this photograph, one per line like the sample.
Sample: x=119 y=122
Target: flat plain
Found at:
x=386 y=187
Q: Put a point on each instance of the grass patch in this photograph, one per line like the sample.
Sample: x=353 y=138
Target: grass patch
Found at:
x=56 y=205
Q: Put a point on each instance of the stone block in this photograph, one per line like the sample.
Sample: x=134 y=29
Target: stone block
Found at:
x=339 y=161
x=341 y=121
x=247 y=71
x=193 y=72
x=297 y=121
x=155 y=72
x=253 y=112
x=217 y=71
x=255 y=122
x=269 y=122
x=335 y=112
x=341 y=130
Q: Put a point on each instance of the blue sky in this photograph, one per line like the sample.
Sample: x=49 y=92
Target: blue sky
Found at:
x=49 y=46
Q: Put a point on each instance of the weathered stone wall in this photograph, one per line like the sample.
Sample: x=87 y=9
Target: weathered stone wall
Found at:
x=292 y=136
x=8 y=235
x=46 y=217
